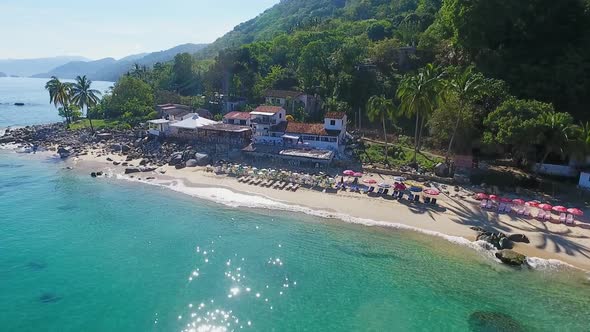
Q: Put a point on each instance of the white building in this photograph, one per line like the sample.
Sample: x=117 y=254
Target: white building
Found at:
x=264 y=117
x=237 y=118
x=189 y=127
x=159 y=127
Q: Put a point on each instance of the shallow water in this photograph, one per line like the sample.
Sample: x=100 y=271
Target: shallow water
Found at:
x=78 y=253
x=31 y=92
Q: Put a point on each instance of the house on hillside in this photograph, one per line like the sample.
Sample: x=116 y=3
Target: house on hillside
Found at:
x=237 y=118
x=263 y=118
x=173 y=112
x=291 y=100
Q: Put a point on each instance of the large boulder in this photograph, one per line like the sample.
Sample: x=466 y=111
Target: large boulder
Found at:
x=519 y=238
x=176 y=159
x=191 y=163
x=441 y=169
x=131 y=170
x=63 y=152
x=511 y=257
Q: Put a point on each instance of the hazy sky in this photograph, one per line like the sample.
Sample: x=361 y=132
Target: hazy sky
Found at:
x=115 y=28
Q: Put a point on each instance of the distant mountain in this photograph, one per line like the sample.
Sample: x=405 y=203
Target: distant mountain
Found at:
x=109 y=69
x=28 y=67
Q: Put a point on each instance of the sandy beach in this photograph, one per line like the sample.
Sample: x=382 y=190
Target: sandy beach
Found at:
x=453 y=216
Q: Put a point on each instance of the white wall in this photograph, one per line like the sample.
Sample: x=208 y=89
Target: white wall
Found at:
x=559 y=170
x=584 y=180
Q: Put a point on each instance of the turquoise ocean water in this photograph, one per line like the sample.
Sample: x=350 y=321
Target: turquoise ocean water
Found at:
x=83 y=254
x=79 y=254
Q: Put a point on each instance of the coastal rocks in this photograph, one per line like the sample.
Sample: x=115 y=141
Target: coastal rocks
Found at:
x=116 y=163
x=519 y=238
x=175 y=159
x=498 y=240
x=63 y=152
x=493 y=321
x=146 y=169
x=131 y=170
x=109 y=159
x=96 y=174
x=511 y=257
x=191 y=163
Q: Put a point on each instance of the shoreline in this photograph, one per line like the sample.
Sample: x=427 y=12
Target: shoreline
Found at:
x=551 y=244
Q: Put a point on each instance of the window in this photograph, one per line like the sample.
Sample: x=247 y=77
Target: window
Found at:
x=243 y=122
x=332 y=122
x=280 y=115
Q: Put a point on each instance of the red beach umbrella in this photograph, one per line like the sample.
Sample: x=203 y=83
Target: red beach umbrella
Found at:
x=532 y=203
x=432 y=192
x=494 y=197
x=575 y=212
x=400 y=186
x=370 y=181
x=560 y=209
x=545 y=207
x=348 y=172
x=505 y=200
x=518 y=201
x=481 y=196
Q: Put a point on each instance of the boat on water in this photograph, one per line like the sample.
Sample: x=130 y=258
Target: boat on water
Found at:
x=19 y=104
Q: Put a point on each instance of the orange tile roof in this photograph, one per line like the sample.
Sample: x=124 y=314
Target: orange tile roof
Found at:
x=306 y=128
x=237 y=115
x=335 y=115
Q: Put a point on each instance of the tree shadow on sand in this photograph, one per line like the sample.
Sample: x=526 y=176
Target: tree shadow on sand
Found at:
x=561 y=241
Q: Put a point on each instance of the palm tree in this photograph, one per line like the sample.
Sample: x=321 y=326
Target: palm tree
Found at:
x=85 y=97
x=465 y=85
x=418 y=95
x=558 y=130
x=60 y=95
x=381 y=108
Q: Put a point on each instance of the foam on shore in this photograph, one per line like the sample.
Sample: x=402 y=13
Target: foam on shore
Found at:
x=234 y=199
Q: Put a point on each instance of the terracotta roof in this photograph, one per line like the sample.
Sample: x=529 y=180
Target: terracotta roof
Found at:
x=306 y=128
x=282 y=93
x=237 y=116
x=335 y=115
x=268 y=109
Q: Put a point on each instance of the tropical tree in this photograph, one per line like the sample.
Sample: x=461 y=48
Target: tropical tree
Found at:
x=60 y=97
x=465 y=84
x=418 y=95
x=381 y=108
x=85 y=97
x=557 y=131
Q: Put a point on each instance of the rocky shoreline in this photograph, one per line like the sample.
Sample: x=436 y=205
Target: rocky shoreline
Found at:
x=132 y=143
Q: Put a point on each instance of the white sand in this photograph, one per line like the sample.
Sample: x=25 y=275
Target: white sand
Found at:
x=452 y=218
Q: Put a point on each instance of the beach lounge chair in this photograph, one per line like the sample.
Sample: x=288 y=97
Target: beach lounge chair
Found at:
x=501 y=207
x=283 y=185
x=380 y=191
x=433 y=201
x=371 y=190
x=295 y=187
x=385 y=192
x=417 y=198
x=489 y=205
x=483 y=204
x=427 y=200
x=548 y=216
x=569 y=220
x=289 y=186
x=562 y=217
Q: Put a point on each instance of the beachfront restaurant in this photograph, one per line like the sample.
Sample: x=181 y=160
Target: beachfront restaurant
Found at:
x=227 y=134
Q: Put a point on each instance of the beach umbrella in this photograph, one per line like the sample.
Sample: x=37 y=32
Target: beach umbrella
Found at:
x=481 y=196
x=384 y=185
x=505 y=200
x=399 y=178
x=415 y=189
x=560 y=209
x=348 y=172
x=358 y=175
x=575 y=212
x=432 y=192
x=545 y=207
x=518 y=201
x=533 y=203
x=494 y=198
x=400 y=186
x=370 y=181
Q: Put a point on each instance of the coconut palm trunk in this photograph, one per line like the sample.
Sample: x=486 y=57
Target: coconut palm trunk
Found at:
x=416 y=137
x=385 y=140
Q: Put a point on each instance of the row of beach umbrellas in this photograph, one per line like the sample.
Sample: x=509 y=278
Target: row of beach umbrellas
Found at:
x=535 y=204
x=398 y=184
